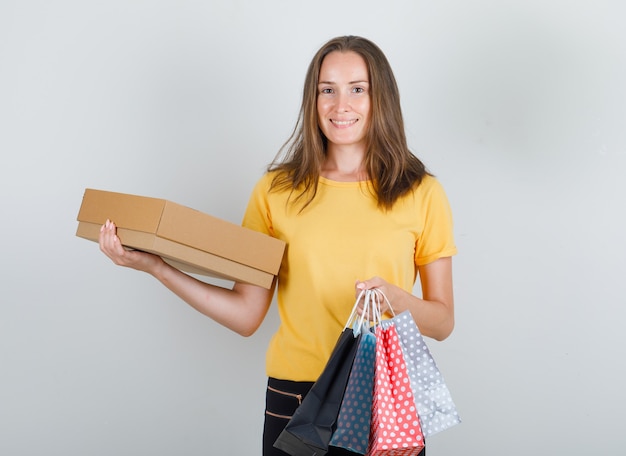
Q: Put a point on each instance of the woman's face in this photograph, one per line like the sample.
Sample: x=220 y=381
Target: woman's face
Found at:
x=343 y=99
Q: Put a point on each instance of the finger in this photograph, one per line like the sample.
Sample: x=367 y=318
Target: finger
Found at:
x=106 y=236
x=110 y=243
x=373 y=282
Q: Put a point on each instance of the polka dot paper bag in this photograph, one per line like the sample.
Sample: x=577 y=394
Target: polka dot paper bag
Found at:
x=395 y=426
x=434 y=404
x=353 y=423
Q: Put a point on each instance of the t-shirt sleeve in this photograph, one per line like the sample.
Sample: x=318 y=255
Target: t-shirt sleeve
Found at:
x=437 y=237
x=257 y=216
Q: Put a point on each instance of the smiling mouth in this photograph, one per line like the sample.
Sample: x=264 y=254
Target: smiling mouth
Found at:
x=344 y=123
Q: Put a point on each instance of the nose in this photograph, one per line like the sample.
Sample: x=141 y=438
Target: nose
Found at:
x=343 y=102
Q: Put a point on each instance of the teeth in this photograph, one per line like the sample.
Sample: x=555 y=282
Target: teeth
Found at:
x=343 y=122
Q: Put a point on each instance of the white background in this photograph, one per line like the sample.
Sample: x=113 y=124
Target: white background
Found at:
x=519 y=107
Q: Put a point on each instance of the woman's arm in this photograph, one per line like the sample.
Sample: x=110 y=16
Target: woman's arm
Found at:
x=434 y=312
x=241 y=309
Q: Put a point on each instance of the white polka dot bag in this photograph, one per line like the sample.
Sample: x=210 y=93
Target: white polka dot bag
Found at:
x=436 y=410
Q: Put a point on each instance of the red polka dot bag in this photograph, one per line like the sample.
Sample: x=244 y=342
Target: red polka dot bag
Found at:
x=395 y=425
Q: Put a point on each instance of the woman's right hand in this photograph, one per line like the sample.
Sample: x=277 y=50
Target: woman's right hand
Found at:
x=112 y=247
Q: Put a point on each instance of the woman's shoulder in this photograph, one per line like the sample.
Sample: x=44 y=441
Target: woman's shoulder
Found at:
x=428 y=184
x=271 y=181
x=266 y=179
x=428 y=192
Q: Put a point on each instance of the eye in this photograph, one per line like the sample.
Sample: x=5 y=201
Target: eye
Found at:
x=358 y=90
x=326 y=90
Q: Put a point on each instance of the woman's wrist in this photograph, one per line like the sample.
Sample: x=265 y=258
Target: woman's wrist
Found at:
x=156 y=266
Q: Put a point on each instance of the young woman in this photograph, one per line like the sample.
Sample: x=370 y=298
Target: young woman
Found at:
x=357 y=210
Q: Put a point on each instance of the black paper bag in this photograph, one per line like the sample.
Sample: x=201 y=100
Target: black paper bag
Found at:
x=309 y=431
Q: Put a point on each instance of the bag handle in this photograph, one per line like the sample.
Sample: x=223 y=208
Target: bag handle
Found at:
x=370 y=315
x=378 y=300
x=353 y=315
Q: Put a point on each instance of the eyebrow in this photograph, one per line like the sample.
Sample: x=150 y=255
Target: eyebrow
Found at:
x=351 y=82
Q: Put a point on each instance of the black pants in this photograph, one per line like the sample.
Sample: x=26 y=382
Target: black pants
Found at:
x=281 y=401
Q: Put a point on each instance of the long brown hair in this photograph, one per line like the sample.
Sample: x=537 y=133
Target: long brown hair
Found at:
x=391 y=167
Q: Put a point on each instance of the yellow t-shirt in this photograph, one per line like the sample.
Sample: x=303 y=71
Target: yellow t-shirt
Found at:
x=341 y=237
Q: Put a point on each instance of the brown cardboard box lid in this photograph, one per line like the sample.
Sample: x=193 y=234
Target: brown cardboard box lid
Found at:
x=181 y=225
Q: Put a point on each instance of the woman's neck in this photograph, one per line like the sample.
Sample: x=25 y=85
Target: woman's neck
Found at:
x=344 y=165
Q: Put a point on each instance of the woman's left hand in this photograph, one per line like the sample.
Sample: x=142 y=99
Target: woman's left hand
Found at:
x=434 y=312
x=393 y=293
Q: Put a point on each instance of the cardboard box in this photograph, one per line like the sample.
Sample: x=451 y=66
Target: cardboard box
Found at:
x=186 y=238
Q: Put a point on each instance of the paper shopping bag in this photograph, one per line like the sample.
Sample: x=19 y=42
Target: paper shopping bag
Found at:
x=353 y=422
x=395 y=426
x=310 y=429
x=434 y=404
